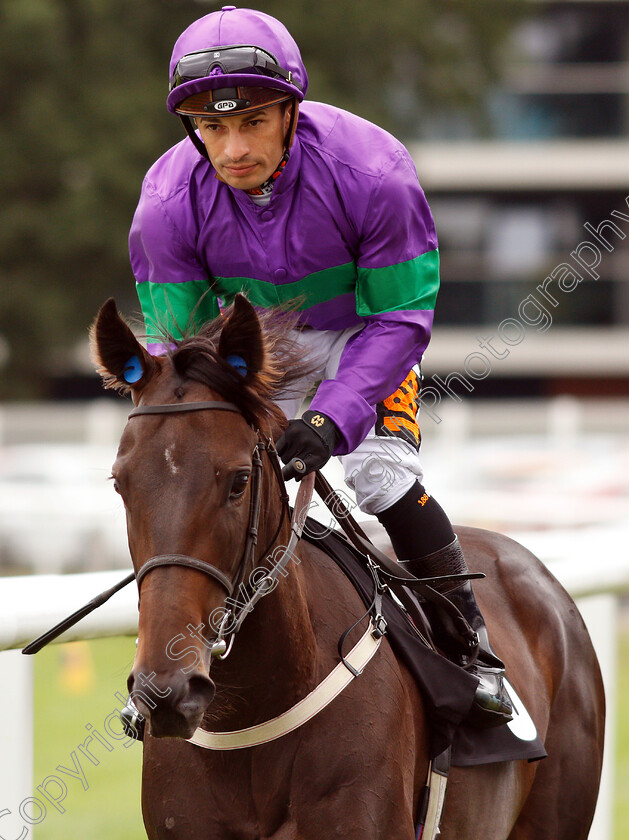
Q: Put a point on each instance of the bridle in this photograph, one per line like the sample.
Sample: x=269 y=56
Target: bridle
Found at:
x=351 y=664
x=237 y=612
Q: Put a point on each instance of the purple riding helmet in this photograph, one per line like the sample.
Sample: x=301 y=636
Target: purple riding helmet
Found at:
x=232 y=62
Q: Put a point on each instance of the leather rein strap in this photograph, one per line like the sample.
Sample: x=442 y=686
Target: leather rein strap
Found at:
x=348 y=668
x=238 y=612
x=397 y=577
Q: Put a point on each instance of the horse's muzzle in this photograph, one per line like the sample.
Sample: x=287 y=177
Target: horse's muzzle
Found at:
x=173 y=706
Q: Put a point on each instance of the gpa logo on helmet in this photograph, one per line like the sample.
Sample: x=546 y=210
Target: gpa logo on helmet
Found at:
x=225 y=105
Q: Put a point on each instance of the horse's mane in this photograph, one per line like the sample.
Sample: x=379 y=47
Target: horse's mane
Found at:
x=196 y=357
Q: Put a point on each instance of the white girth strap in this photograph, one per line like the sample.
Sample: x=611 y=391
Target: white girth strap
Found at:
x=433 y=796
x=312 y=704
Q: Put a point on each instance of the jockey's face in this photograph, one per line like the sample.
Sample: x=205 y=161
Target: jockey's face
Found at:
x=245 y=149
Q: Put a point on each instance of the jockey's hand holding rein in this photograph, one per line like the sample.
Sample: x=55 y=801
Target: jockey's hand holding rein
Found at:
x=312 y=438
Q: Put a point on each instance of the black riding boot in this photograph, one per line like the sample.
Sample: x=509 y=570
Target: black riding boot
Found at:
x=419 y=528
x=492 y=706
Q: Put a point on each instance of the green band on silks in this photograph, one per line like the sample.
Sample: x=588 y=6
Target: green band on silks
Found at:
x=175 y=309
x=412 y=284
x=178 y=308
x=409 y=285
x=319 y=287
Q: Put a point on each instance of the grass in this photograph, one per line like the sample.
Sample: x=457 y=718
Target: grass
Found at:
x=74 y=689
x=621 y=804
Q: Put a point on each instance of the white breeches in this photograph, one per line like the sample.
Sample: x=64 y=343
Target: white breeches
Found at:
x=384 y=466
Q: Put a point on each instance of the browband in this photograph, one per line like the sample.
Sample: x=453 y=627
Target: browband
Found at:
x=189 y=406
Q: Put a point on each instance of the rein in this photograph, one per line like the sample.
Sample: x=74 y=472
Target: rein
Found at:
x=352 y=664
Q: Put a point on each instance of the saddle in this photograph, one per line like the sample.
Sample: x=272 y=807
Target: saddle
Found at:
x=448 y=632
x=423 y=646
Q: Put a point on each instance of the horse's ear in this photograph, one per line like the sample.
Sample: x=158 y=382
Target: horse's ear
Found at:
x=119 y=357
x=241 y=343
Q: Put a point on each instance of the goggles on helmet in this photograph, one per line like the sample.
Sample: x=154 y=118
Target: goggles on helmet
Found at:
x=226 y=60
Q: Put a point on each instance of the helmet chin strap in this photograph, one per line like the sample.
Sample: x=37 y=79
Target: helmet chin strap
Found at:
x=292 y=126
x=267 y=185
x=198 y=143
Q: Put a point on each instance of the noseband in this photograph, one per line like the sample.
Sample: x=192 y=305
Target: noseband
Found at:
x=248 y=556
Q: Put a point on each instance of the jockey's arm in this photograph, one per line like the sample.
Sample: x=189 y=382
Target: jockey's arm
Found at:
x=398 y=280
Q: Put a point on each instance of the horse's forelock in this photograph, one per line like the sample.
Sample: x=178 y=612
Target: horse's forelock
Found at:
x=197 y=358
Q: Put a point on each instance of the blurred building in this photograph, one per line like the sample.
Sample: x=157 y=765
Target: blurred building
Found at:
x=533 y=218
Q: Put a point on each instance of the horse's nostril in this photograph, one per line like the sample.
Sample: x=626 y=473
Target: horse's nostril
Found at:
x=203 y=688
x=198 y=696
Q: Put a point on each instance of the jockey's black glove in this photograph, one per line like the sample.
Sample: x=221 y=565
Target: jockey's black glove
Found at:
x=312 y=439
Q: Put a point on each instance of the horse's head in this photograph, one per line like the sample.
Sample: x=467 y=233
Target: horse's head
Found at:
x=189 y=482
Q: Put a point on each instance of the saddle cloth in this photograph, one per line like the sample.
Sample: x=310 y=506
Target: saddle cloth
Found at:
x=447 y=689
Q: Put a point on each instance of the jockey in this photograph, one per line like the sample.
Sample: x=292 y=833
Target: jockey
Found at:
x=308 y=203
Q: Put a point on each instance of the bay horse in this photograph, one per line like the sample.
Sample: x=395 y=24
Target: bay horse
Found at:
x=356 y=770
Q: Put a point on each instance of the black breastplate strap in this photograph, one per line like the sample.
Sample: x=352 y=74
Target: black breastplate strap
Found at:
x=184 y=560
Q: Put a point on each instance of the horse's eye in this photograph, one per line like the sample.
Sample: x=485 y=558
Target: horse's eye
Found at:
x=239 y=485
x=115 y=483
